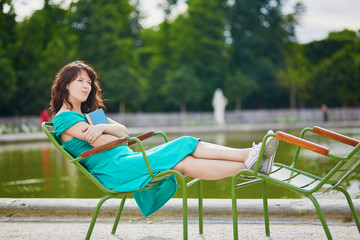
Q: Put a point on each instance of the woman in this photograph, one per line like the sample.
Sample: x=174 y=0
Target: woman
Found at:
x=76 y=91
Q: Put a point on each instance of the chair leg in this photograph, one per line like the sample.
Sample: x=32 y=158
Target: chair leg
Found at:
x=351 y=205
x=95 y=214
x=185 y=219
x=234 y=208
x=201 y=222
x=266 y=211
x=116 y=222
x=321 y=216
x=234 y=186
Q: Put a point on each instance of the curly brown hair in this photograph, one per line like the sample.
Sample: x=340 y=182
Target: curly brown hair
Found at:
x=60 y=94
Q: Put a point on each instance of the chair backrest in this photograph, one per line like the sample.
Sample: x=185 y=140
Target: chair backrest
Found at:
x=50 y=132
x=345 y=167
x=346 y=164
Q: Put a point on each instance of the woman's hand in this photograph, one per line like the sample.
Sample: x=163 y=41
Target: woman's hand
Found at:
x=92 y=132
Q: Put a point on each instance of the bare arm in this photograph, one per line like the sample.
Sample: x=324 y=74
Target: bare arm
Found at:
x=118 y=129
x=93 y=133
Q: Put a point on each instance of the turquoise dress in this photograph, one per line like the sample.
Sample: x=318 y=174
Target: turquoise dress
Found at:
x=121 y=169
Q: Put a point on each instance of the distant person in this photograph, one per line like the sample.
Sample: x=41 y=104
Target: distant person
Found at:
x=44 y=116
x=325 y=112
x=76 y=91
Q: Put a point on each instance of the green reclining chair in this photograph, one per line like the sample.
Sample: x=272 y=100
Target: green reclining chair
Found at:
x=304 y=183
x=49 y=131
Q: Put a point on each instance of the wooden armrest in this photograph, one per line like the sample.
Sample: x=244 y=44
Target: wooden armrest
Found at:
x=104 y=147
x=335 y=136
x=143 y=136
x=302 y=143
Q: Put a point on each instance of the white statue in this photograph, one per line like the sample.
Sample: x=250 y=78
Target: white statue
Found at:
x=219 y=103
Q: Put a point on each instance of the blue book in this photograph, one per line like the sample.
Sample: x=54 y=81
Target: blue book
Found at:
x=97 y=117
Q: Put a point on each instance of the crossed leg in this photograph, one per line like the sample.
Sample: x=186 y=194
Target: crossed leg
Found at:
x=211 y=162
x=207 y=150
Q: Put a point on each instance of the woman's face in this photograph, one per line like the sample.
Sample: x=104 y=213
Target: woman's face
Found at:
x=80 y=88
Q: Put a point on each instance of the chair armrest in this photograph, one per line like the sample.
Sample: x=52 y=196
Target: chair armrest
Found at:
x=104 y=147
x=143 y=137
x=301 y=143
x=335 y=136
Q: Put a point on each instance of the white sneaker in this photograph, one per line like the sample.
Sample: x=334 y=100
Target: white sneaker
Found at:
x=269 y=154
x=270 y=145
x=253 y=156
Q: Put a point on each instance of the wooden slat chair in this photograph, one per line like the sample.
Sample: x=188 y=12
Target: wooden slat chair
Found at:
x=49 y=131
x=304 y=183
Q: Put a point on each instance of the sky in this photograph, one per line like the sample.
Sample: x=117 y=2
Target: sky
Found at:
x=320 y=18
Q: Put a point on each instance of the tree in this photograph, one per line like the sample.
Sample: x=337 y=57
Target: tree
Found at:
x=295 y=74
x=259 y=33
x=335 y=71
x=7 y=72
x=7 y=80
x=336 y=81
x=195 y=45
x=165 y=29
x=42 y=47
x=155 y=67
x=7 y=24
x=156 y=55
x=125 y=87
x=107 y=35
x=200 y=43
x=239 y=86
x=244 y=47
x=182 y=87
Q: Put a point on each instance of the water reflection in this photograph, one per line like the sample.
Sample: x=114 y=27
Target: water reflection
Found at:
x=38 y=170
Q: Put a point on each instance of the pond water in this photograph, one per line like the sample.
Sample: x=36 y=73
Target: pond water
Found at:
x=38 y=170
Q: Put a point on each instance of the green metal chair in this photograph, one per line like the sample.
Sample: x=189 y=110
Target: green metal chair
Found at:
x=49 y=131
x=304 y=183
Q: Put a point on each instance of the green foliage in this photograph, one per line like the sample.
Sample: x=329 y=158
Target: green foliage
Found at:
x=200 y=43
x=259 y=34
x=103 y=31
x=182 y=87
x=107 y=36
x=7 y=80
x=343 y=36
x=239 y=86
x=337 y=79
x=295 y=74
x=124 y=86
x=7 y=24
x=41 y=49
x=247 y=48
x=318 y=51
x=336 y=70
x=154 y=67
